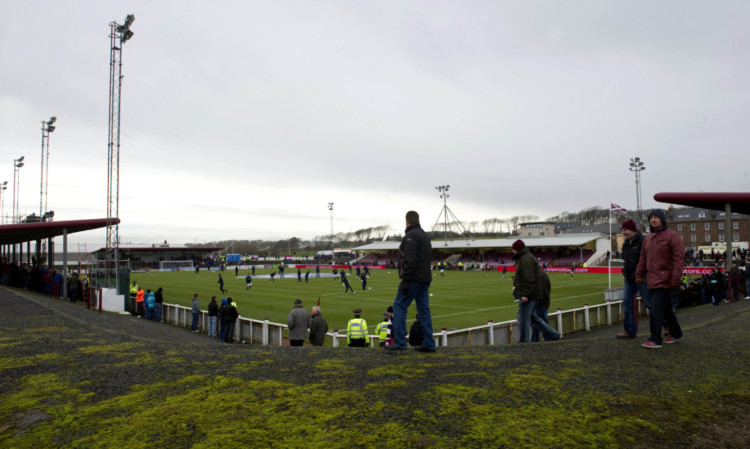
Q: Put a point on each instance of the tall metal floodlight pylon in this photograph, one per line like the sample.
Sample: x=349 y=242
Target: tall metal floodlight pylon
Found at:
x=445 y=212
x=119 y=34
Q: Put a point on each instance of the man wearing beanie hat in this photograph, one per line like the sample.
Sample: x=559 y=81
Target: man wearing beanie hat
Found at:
x=660 y=265
x=631 y=254
x=298 y=321
x=529 y=289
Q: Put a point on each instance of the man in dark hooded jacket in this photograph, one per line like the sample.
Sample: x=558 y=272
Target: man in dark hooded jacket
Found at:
x=660 y=266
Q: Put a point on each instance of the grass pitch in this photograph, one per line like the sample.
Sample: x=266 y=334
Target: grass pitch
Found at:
x=459 y=300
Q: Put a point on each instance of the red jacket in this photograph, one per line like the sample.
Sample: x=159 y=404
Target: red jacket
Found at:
x=662 y=260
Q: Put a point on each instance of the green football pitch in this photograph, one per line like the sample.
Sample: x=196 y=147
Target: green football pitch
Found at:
x=459 y=300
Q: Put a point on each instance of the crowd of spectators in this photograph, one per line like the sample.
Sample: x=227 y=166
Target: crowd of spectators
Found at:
x=42 y=280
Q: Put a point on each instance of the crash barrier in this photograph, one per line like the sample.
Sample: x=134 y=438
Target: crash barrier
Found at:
x=265 y=332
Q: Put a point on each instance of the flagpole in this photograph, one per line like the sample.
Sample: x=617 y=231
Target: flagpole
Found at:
x=609 y=250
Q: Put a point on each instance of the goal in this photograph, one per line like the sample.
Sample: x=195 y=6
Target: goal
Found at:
x=175 y=265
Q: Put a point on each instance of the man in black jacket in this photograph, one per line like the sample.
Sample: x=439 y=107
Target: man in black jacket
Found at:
x=631 y=254
x=414 y=257
x=228 y=317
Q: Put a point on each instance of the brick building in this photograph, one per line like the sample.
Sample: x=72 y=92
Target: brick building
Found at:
x=701 y=228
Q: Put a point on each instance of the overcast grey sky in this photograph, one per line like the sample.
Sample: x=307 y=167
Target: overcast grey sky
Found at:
x=245 y=119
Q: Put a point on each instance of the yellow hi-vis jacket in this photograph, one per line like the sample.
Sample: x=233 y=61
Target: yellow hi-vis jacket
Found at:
x=382 y=330
x=357 y=328
x=133 y=289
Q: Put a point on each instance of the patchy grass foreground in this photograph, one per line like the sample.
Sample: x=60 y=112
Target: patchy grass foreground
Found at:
x=72 y=379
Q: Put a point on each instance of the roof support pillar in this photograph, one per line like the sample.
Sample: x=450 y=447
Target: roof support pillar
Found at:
x=65 y=264
x=728 y=233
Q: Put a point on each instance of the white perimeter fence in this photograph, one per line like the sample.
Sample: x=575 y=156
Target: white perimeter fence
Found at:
x=265 y=332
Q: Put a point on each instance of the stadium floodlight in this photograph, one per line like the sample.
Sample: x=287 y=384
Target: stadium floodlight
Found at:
x=330 y=208
x=47 y=128
x=17 y=164
x=119 y=34
x=3 y=186
x=637 y=166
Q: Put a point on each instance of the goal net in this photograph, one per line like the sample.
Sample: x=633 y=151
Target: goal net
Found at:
x=175 y=265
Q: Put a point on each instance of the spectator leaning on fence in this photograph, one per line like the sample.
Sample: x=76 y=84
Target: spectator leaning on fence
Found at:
x=213 y=317
x=196 y=309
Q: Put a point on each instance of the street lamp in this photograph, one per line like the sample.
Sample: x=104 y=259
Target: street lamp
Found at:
x=3 y=187
x=330 y=208
x=46 y=129
x=17 y=164
x=636 y=165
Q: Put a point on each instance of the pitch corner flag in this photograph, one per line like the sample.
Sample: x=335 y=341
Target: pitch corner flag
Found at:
x=615 y=208
x=318 y=301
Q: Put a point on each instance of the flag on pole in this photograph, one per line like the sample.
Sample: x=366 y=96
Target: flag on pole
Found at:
x=615 y=208
x=318 y=301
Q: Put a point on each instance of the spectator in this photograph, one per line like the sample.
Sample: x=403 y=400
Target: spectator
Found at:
x=540 y=311
x=660 y=266
x=318 y=327
x=159 y=299
x=213 y=317
x=139 y=302
x=298 y=321
x=414 y=255
x=150 y=305
x=229 y=316
x=196 y=309
x=631 y=254
x=529 y=290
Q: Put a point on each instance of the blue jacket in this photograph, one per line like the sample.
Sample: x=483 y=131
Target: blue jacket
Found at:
x=151 y=300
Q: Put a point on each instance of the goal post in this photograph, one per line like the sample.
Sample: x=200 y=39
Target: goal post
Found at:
x=175 y=265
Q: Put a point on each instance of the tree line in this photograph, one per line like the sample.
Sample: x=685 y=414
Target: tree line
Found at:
x=488 y=227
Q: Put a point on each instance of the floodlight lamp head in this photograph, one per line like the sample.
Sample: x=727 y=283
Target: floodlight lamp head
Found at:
x=20 y=158
x=127 y=35
x=129 y=19
x=52 y=120
x=5 y=183
x=50 y=128
x=19 y=165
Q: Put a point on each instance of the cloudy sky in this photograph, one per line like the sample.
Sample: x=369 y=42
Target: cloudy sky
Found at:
x=245 y=119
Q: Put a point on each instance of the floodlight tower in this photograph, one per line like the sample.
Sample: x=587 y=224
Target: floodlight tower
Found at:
x=3 y=188
x=330 y=208
x=17 y=164
x=445 y=212
x=46 y=129
x=119 y=34
x=637 y=166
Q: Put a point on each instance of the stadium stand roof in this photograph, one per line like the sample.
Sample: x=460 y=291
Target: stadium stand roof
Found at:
x=28 y=232
x=738 y=201
x=557 y=241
